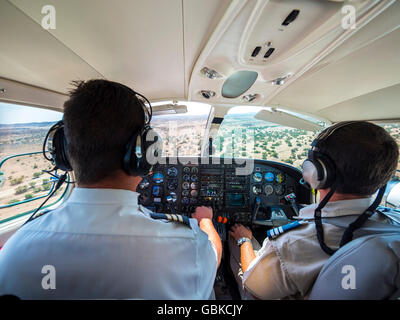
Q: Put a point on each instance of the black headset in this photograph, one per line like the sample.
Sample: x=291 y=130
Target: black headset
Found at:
x=141 y=151
x=320 y=172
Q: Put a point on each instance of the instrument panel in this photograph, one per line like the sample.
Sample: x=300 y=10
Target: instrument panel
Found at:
x=262 y=195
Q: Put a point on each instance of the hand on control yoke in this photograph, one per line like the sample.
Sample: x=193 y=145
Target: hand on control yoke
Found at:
x=202 y=213
x=239 y=231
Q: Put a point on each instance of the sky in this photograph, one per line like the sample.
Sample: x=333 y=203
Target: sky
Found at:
x=11 y=113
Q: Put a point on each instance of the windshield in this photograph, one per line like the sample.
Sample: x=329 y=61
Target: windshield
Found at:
x=242 y=136
x=182 y=134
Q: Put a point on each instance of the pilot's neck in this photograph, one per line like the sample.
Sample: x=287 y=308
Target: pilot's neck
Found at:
x=118 y=180
x=339 y=196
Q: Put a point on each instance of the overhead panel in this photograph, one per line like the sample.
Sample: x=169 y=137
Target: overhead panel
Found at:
x=280 y=40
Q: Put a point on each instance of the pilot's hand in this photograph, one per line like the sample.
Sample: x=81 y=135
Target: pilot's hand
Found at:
x=239 y=231
x=202 y=213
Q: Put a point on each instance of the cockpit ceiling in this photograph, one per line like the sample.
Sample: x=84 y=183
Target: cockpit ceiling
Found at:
x=150 y=45
x=160 y=47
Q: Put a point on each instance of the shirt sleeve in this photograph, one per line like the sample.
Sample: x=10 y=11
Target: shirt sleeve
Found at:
x=206 y=262
x=266 y=278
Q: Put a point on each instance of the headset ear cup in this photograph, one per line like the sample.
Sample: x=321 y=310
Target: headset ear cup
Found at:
x=139 y=159
x=151 y=150
x=59 y=150
x=129 y=160
x=318 y=171
x=310 y=174
x=329 y=171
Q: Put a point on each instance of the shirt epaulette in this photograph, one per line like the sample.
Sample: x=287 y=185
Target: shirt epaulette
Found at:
x=171 y=217
x=275 y=232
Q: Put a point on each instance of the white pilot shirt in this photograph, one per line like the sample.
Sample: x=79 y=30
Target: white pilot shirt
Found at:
x=289 y=265
x=103 y=245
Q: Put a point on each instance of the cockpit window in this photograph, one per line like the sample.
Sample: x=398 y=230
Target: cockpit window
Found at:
x=23 y=181
x=241 y=135
x=182 y=133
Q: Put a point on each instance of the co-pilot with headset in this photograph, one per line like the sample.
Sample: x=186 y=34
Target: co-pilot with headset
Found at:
x=348 y=163
x=101 y=244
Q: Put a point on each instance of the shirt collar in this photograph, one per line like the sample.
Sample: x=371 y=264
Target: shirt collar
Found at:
x=104 y=196
x=338 y=208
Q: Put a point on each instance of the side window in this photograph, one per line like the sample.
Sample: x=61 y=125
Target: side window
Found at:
x=24 y=182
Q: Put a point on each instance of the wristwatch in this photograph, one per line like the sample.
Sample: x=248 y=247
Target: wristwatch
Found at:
x=243 y=240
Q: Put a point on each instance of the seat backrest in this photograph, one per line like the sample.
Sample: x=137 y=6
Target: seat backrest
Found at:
x=366 y=268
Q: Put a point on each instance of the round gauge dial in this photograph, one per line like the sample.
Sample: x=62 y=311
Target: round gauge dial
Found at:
x=194 y=185
x=173 y=184
x=257 y=177
x=185 y=200
x=185 y=185
x=144 y=184
x=279 y=190
x=171 y=197
x=172 y=171
x=194 y=178
x=157 y=191
x=185 y=193
x=194 y=193
x=158 y=177
x=269 y=189
x=269 y=176
x=280 y=178
x=186 y=170
x=186 y=177
x=195 y=170
x=257 y=189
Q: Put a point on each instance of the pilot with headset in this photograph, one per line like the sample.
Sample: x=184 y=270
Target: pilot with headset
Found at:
x=348 y=163
x=101 y=244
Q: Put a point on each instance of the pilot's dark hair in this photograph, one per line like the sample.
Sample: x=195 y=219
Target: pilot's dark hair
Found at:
x=365 y=155
x=100 y=117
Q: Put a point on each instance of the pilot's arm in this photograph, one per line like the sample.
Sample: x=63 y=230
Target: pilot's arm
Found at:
x=204 y=216
x=264 y=276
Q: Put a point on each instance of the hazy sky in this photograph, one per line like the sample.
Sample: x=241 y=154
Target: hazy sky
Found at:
x=11 y=113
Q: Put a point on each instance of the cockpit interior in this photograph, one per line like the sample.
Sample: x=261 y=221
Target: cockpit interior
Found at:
x=239 y=90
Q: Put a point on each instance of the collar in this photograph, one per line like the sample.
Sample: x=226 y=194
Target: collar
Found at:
x=338 y=208
x=104 y=196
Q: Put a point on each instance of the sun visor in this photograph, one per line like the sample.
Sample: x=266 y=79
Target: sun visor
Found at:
x=287 y=120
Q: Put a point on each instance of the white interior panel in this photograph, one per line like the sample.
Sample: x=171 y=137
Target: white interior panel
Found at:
x=138 y=43
x=368 y=69
x=31 y=55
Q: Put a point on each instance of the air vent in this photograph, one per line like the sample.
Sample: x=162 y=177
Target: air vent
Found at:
x=291 y=17
x=255 y=51
x=269 y=52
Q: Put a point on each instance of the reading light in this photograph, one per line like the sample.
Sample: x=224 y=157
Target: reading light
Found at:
x=250 y=97
x=281 y=80
x=207 y=94
x=210 y=73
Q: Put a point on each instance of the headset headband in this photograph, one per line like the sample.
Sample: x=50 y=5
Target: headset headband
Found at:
x=325 y=134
